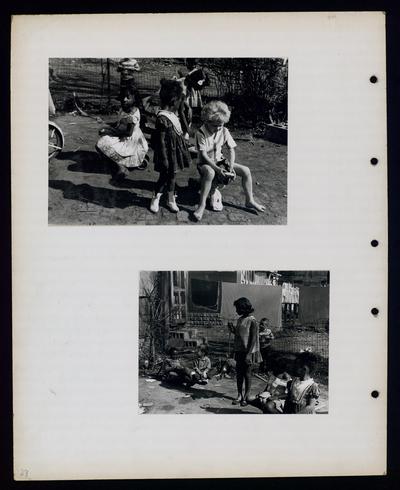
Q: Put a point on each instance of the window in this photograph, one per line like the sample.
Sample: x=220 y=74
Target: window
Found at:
x=205 y=294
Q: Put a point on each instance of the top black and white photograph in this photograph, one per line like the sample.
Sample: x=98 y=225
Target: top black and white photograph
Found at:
x=168 y=141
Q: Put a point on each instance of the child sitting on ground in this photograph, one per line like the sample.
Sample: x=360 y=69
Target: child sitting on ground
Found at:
x=202 y=366
x=123 y=142
x=227 y=367
x=303 y=392
x=210 y=139
x=173 y=371
x=272 y=399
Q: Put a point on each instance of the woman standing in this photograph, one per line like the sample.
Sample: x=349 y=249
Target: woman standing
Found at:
x=247 y=348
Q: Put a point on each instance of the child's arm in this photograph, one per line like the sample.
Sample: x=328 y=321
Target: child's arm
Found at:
x=208 y=365
x=231 y=159
x=125 y=132
x=231 y=327
x=196 y=366
x=210 y=163
x=312 y=398
x=160 y=136
x=310 y=407
x=109 y=129
x=128 y=124
x=270 y=335
x=231 y=144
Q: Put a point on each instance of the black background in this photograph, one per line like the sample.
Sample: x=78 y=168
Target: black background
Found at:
x=391 y=480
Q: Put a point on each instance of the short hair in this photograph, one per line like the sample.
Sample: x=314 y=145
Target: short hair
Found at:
x=244 y=305
x=308 y=359
x=265 y=319
x=171 y=92
x=216 y=111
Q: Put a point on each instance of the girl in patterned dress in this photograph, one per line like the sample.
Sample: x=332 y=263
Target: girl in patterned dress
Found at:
x=123 y=141
x=171 y=153
x=303 y=392
x=247 y=348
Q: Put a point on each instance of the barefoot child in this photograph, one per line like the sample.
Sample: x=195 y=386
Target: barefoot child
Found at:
x=303 y=392
x=170 y=149
x=210 y=139
x=123 y=142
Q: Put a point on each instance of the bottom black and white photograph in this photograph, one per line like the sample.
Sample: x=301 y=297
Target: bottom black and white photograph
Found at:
x=233 y=342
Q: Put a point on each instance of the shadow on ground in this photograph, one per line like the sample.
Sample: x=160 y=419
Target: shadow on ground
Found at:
x=196 y=394
x=227 y=411
x=88 y=162
x=107 y=198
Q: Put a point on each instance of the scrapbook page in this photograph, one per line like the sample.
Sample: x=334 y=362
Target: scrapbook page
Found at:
x=201 y=259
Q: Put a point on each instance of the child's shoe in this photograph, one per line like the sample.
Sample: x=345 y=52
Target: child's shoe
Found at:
x=171 y=203
x=216 y=201
x=155 y=203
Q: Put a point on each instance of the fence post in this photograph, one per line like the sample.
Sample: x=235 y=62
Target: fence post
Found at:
x=108 y=83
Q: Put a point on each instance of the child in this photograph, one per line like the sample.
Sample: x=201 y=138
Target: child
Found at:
x=195 y=79
x=170 y=149
x=227 y=367
x=272 y=399
x=174 y=371
x=128 y=67
x=210 y=139
x=202 y=365
x=123 y=141
x=266 y=336
x=247 y=348
x=303 y=392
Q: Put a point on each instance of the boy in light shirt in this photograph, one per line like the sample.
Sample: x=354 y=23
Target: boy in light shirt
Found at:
x=210 y=140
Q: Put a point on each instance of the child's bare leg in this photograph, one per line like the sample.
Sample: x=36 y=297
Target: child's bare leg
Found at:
x=240 y=372
x=239 y=384
x=247 y=383
x=247 y=184
x=207 y=177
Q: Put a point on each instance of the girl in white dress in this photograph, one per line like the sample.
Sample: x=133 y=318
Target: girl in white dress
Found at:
x=123 y=141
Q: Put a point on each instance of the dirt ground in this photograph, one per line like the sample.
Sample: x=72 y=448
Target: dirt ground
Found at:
x=80 y=191
x=215 y=397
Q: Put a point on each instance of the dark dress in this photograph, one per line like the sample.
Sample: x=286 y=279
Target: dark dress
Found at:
x=170 y=149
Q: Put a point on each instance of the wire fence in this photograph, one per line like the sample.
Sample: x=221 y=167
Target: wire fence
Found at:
x=96 y=81
x=255 y=88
